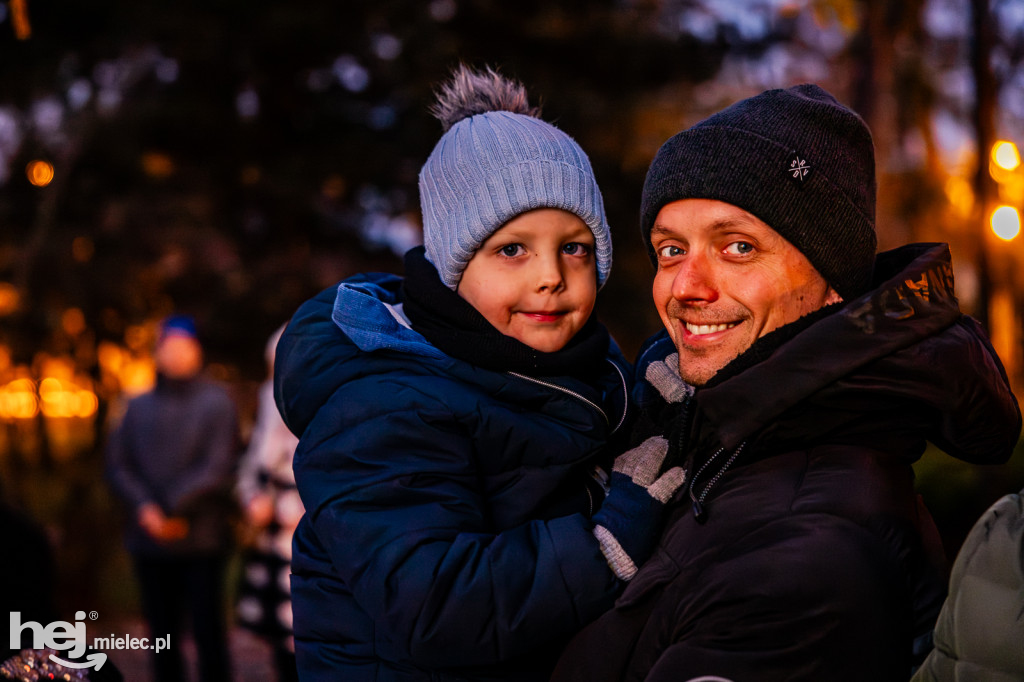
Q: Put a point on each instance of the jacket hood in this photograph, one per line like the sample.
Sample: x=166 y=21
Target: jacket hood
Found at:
x=360 y=314
x=902 y=357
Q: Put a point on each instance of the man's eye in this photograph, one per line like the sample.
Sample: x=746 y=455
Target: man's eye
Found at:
x=669 y=251
x=575 y=249
x=511 y=250
x=740 y=248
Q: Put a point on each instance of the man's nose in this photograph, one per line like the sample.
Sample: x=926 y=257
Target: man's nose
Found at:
x=695 y=280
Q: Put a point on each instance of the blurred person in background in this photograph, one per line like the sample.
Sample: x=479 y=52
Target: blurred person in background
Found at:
x=171 y=462
x=266 y=489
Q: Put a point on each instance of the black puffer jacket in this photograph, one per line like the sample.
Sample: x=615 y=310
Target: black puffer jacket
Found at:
x=809 y=561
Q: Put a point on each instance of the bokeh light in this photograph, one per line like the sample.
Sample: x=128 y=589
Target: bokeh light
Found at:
x=1005 y=155
x=10 y=298
x=40 y=173
x=1006 y=222
x=18 y=400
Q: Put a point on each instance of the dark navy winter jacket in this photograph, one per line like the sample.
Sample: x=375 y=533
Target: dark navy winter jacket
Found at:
x=446 y=533
x=811 y=560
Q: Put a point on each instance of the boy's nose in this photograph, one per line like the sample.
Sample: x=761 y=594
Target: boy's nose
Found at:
x=549 y=274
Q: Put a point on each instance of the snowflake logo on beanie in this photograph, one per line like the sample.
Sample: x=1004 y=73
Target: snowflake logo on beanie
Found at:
x=798 y=167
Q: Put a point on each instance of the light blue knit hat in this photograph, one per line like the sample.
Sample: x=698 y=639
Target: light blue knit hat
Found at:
x=496 y=161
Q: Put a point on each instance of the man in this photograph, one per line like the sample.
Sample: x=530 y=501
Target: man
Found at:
x=797 y=379
x=171 y=461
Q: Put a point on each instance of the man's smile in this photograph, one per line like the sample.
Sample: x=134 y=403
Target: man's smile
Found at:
x=704 y=329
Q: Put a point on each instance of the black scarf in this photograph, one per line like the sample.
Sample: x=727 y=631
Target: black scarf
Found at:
x=455 y=327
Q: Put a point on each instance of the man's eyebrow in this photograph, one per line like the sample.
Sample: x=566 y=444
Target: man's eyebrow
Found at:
x=660 y=230
x=722 y=225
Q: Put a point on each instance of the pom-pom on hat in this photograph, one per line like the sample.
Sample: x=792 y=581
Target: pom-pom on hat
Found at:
x=797 y=159
x=495 y=161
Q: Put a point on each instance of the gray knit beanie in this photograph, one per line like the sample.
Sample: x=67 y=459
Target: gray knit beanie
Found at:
x=495 y=161
x=798 y=160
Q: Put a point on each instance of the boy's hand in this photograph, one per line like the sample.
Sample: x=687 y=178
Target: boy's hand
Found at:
x=629 y=523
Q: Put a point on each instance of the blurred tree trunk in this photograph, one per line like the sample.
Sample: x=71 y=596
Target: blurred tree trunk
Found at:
x=984 y=131
x=887 y=93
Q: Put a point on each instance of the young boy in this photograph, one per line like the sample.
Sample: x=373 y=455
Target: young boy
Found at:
x=450 y=422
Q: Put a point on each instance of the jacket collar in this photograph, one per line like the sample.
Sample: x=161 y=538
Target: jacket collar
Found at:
x=913 y=300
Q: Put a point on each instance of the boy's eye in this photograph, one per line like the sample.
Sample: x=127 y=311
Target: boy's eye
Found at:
x=670 y=251
x=510 y=250
x=575 y=249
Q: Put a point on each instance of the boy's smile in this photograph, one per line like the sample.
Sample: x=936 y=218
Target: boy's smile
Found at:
x=535 y=278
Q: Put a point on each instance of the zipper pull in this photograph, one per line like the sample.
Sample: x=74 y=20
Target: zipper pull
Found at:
x=699 y=512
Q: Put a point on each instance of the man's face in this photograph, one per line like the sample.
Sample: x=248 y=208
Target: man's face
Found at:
x=725 y=279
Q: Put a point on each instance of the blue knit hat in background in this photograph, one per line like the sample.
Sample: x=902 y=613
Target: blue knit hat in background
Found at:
x=797 y=159
x=178 y=325
x=495 y=161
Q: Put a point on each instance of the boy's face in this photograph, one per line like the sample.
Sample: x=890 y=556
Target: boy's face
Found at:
x=535 y=278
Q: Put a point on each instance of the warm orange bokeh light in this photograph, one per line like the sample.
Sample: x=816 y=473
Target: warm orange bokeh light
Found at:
x=1005 y=155
x=18 y=400
x=1006 y=222
x=58 y=399
x=157 y=165
x=10 y=299
x=72 y=321
x=40 y=173
x=960 y=195
x=123 y=371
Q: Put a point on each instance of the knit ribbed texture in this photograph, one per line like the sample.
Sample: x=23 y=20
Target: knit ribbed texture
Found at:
x=797 y=159
x=489 y=168
x=622 y=566
x=664 y=376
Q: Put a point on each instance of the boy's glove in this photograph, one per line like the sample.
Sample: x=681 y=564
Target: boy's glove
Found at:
x=629 y=522
x=664 y=376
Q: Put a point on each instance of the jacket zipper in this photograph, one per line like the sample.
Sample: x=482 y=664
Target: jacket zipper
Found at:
x=582 y=398
x=699 y=510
